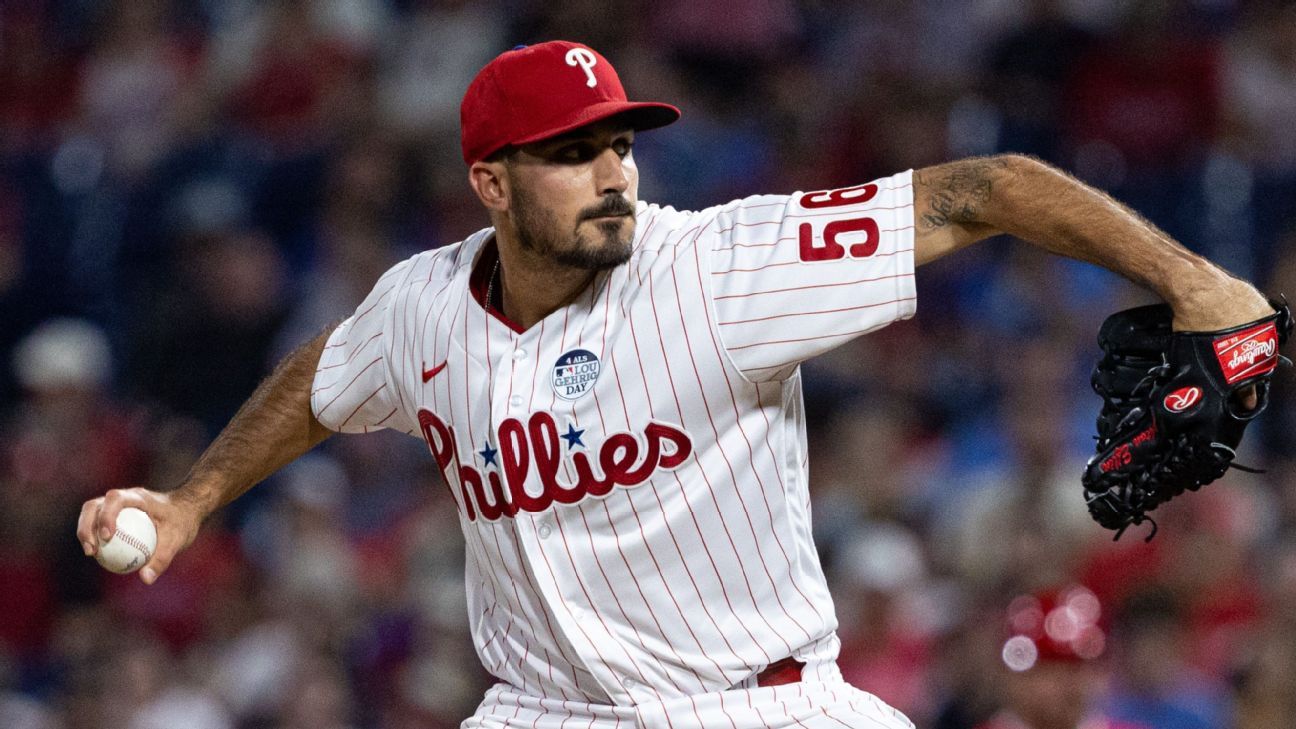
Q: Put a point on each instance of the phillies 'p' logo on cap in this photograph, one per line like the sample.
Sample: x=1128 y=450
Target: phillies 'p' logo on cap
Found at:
x=535 y=92
x=585 y=59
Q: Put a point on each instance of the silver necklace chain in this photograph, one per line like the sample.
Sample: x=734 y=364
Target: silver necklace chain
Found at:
x=490 y=285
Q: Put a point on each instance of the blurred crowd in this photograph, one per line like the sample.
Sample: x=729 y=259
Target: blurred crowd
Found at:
x=190 y=188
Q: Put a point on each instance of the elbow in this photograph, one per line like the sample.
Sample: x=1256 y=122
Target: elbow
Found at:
x=1019 y=181
x=1022 y=166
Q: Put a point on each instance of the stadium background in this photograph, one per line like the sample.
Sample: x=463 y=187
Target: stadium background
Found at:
x=189 y=188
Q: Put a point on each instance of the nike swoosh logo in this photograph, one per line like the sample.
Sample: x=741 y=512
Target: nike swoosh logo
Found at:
x=429 y=374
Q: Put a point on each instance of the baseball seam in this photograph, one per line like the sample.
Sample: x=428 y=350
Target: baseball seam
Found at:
x=132 y=541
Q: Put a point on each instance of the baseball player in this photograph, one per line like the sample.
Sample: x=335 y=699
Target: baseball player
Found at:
x=611 y=391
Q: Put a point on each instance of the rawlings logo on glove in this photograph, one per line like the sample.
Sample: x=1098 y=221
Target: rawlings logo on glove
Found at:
x=1242 y=351
x=1172 y=415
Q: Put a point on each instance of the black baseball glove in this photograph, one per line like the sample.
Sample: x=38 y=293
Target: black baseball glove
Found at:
x=1174 y=409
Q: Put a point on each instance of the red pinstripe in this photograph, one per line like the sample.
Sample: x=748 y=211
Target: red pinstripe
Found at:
x=728 y=207
x=371 y=308
x=517 y=710
x=444 y=384
x=522 y=563
x=362 y=404
x=553 y=394
x=836 y=213
x=494 y=528
x=348 y=386
x=797 y=262
x=521 y=673
x=580 y=508
x=517 y=548
x=811 y=286
x=822 y=336
x=776 y=243
x=710 y=490
x=535 y=380
x=351 y=356
x=733 y=401
x=724 y=711
x=733 y=475
x=830 y=716
x=814 y=313
x=558 y=590
x=693 y=701
x=684 y=562
x=661 y=574
x=415 y=342
x=594 y=609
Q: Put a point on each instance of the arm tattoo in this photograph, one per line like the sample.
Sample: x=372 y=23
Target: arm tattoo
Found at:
x=957 y=192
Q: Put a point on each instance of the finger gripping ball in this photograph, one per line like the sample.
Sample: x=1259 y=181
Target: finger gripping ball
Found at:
x=131 y=545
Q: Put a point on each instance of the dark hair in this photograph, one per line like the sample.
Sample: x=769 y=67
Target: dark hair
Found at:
x=503 y=154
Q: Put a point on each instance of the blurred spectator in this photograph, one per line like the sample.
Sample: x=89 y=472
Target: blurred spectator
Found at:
x=882 y=582
x=206 y=341
x=432 y=56
x=131 y=82
x=293 y=71
x=38 y=80
x=1259 y=86
x=1051 y=665
x=64 y=441
x=1153 y=683
x=1028 y=71
x=1147 y=99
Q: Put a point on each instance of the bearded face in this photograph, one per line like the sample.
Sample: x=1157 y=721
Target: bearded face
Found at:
x=601 y=236
x=572 y=197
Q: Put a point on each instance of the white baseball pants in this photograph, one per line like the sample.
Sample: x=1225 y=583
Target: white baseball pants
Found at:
x=803 y=705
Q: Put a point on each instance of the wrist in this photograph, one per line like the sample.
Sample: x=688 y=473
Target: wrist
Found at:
x=197 y=497
x=1216 y=301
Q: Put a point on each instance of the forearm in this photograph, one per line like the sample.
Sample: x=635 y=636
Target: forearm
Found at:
x=271 y=429
x=973 y=199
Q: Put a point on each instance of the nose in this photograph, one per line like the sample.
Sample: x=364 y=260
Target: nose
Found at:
x=610 y=173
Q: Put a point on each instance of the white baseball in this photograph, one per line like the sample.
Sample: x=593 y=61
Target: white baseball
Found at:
x=131 y=545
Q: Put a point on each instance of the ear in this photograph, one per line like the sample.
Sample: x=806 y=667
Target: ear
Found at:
x=490 y=181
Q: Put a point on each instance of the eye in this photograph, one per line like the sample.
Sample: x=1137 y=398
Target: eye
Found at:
x=623 y=147
x=577 y=152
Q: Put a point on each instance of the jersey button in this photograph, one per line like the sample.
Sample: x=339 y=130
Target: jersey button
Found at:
x=519 y=354
x=545 y=530
x=630 y=684
x=516 y=401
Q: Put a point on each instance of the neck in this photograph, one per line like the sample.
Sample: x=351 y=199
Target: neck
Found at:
x=532 y=287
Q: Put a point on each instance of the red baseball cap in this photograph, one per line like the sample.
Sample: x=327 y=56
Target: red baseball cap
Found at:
x=536 y=92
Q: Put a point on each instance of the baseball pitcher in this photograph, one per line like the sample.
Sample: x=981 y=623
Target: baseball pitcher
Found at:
x=611 y=391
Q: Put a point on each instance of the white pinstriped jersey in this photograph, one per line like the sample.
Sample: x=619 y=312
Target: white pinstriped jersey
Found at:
x=630 y=472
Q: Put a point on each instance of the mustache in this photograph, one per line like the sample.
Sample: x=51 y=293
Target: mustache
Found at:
x=611 y=205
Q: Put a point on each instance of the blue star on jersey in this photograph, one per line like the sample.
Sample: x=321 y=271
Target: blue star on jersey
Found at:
x=573 y=436
x=488 y=454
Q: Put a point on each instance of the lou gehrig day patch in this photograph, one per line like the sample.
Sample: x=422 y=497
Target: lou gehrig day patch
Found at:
x=1249 y=352
x=575 y=373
